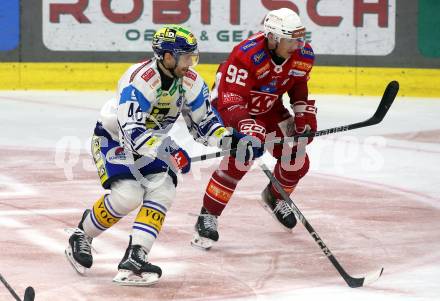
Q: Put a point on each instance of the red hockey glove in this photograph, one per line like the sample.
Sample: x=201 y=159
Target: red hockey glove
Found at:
x=253 y=132
x=305 y=117
x=253 y=128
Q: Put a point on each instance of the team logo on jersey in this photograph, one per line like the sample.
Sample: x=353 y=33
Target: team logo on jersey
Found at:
x=296 y=73
x=147 y=75
x=259 y=57
x=116 y=155
x=300 y=65
x=192 y=75
x=261 y=102
x=307 y=52
x=249 y=45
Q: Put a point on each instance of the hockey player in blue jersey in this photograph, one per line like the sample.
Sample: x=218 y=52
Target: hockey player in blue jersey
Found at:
x=135 y=157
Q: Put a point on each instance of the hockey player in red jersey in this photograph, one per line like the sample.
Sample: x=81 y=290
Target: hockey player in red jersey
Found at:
x=248 y=97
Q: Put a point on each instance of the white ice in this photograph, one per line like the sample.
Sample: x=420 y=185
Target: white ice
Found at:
x=64 y=120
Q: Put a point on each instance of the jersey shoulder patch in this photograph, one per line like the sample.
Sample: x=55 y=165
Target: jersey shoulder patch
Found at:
x=251 y=42
x=192 y=80
x=192 y=84
x=248 y=45
x=147 y=81
x=302 y=61
x=251 y=52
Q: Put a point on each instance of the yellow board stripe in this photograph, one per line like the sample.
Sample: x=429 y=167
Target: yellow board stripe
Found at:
x=324 y=80
x=372 y=81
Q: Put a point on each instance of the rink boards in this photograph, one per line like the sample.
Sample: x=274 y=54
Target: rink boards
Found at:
x=324 y=80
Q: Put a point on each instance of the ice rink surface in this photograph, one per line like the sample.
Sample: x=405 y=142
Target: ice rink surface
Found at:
x=372 y=194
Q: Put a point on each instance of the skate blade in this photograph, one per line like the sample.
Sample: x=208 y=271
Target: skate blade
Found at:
x=268 y=209
x=128 y=278
x=78 y=268
x=201 y=242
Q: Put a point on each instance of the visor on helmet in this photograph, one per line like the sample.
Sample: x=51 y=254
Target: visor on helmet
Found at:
x=189 y=59
x=298 y=36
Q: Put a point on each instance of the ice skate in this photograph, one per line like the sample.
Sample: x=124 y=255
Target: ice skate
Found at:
x=135 y=270
x=205 y=230
x=79 y=250
x=279 y=209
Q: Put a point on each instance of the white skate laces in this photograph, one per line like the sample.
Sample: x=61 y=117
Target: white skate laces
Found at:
x=210 y=221
x=283 y=208
x=84 y=241
x=139 y=254
x=79 y=250
x=210 y=224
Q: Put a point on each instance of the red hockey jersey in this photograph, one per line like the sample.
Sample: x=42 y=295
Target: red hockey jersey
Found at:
x=249 y=83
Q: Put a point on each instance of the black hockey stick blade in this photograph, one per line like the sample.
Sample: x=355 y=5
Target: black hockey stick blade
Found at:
x=359 y=282
x=29 y=294
x=387 y=100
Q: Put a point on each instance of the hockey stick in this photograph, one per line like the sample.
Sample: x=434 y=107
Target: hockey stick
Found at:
x=29 y=294
x=387 y=100
x=351 y=281
x=10 y=289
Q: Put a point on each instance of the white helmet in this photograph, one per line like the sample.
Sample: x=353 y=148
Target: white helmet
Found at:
x=284 y=23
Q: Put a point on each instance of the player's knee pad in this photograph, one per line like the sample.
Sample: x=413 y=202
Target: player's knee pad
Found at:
x=163 y=194
x=288 y=175
x=109 y=209
x=126 y=196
